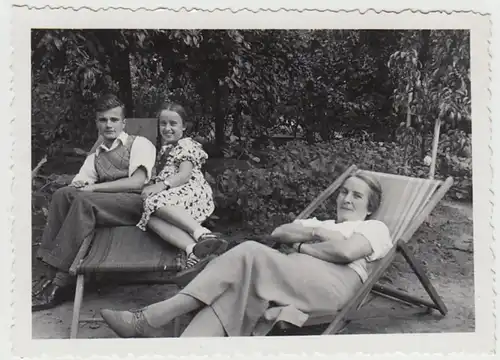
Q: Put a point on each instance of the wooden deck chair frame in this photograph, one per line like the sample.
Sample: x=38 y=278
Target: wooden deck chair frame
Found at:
x=338 y=321
x=145 y=127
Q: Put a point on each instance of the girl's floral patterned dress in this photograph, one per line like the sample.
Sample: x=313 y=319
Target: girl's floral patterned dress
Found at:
x=195 y=196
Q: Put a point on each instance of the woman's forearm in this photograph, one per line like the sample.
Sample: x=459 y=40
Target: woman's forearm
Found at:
x=292 y=233
x=338 y=249
x=331 y=251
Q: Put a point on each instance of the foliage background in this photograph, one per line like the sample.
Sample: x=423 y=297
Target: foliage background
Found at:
x=279 y=112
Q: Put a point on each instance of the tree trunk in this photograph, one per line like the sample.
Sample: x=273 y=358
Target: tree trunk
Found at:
x=220 y=95
x=423 y=55
x=405 y=161
x=435 y=143
x=423 y=143
x=119 y=65
x=423 y=58
x=423 y=146
x=120 y=71
x=219 y=116
x=238 y=118
x=377 y=40
x=408 y=110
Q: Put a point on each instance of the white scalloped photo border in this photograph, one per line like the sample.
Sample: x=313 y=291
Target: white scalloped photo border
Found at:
x=459 y=344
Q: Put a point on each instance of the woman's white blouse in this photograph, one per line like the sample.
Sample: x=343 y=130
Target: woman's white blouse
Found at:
x=375 y=231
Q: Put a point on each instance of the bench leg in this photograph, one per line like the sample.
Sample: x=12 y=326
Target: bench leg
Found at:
x=80 y=281
x=177 y=326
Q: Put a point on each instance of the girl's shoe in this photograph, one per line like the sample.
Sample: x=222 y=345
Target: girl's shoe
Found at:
x=207 y=248
x=129 y=324
x=192 y=260
x=209 y=244
x=194 y=266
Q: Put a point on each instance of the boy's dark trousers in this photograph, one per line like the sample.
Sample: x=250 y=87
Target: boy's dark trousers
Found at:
x=74 y=214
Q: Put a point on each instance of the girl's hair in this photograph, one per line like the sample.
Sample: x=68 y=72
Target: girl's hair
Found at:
x=170 y=106
x=375 y=196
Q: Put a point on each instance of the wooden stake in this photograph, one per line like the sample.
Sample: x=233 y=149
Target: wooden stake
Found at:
x=408 y=124
x=435 y=142
x=34 y=172
x=408 y=110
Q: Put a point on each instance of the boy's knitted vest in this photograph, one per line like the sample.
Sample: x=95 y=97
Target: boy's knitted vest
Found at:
x=113 y=165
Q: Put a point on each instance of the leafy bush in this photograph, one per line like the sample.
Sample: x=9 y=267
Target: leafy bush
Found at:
x=455 y=159
x=265 y=196
x=262 y=197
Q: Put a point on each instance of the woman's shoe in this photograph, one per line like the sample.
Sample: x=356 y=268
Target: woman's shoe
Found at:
x=129 y=324
x=209 y=244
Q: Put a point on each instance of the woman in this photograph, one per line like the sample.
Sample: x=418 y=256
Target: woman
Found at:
x=329 y=262
x=179 y=198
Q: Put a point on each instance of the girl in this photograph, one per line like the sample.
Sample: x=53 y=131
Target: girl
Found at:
x=179 y=198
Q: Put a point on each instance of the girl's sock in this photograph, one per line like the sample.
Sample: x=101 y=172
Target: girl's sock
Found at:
x=189 y=248
x=200 y=231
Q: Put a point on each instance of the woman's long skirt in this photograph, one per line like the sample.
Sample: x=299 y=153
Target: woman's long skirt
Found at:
x=252 y=286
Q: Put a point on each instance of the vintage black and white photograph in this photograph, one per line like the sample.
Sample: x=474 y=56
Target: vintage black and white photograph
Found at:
x=202 y=155
x=245 y=182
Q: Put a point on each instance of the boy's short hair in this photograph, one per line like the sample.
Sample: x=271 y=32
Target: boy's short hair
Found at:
x=109 y=101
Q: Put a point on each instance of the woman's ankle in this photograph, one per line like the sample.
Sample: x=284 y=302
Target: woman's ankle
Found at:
x=150 y=319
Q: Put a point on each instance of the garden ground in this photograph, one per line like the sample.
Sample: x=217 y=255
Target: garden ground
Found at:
x=444 y=243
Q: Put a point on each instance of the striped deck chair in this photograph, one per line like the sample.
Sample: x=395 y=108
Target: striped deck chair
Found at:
x=142 y=256
x=406 y=203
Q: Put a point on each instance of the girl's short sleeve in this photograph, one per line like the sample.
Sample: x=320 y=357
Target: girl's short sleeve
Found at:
x=190 y=150
x=377 y=233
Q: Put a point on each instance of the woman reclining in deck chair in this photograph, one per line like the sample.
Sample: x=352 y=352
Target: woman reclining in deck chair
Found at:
x=179 y=198
x=249 y=288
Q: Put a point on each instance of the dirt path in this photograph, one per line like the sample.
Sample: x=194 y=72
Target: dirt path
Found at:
x=443 y=244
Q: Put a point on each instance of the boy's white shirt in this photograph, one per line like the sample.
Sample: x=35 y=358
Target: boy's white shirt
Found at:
x=142 y=153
